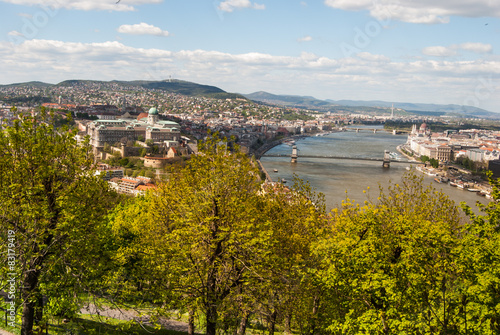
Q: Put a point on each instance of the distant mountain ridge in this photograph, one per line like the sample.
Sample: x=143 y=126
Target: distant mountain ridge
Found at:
x=335 y=105
x=308 y=102
x=173 y=86
x=29 y=83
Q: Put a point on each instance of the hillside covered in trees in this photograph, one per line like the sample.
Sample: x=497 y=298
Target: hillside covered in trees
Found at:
x=230 y=254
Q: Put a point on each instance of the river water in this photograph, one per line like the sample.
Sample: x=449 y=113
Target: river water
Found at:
x=341 y=178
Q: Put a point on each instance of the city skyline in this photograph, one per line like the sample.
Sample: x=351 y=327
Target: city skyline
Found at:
x=436 y=52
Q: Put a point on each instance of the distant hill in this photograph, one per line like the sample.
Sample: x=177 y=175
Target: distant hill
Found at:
x=172 y=86
x=418 y=107
x=287 y=100
x=30 y=83
x=371 y=106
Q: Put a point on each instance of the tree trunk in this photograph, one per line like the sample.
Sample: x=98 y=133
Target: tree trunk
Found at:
x=27 y=318
x=243 y=324
x=288 y=323
x=30 y=284
x=314 y=315
x=272 y=322
x=211 y=285
x=191 y=322
x=212 y=319
x=39 y=310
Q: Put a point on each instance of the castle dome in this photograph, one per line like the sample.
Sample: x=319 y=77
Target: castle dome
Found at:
x=153 y=111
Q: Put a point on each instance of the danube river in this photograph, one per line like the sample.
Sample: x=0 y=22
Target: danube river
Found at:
x=341 y=178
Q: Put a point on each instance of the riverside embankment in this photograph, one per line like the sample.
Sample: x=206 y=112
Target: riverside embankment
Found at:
x=268 y=146
x=342 y=179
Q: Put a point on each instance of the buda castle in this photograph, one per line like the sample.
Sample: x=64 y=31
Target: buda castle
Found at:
x=123 y=130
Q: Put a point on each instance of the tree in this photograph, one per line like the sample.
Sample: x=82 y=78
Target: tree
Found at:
x=434 y=163
x=49 y=213
x=393 y=266
x=424 y=158
x=480 y=259
x=200 y=233
x=294 y=218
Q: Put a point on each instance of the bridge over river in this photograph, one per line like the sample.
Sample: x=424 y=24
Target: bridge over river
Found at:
x=349 y=158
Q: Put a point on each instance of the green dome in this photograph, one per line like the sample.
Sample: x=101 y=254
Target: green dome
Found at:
x=153 y=111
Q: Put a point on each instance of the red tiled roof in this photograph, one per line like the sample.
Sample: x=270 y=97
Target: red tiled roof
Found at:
x=142 y=116
x=145 y=187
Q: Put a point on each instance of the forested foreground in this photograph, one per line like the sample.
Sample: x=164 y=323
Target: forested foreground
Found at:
x=235 y=255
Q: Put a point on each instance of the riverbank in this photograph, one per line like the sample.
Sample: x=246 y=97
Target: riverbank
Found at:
x=454 y=176
x=347 y=179
x=268 y=146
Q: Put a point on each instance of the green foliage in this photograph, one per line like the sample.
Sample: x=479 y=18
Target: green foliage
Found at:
x=48 y=192
x=434 y=163
x=296 y=116
x=214 y=242
x=469 y=164
x=149 y=174
x=294 y=219
x=480 y=258
x=393 y=267
x=123 y=162
x=199 y=234
x=107 y=148
x=85 y=116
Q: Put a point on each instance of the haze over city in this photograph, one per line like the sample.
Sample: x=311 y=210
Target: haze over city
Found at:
x=427 y=51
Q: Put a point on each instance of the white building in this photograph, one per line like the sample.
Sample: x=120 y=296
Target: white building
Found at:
x=113 y=131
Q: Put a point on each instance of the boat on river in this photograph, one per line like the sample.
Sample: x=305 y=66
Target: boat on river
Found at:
x=394 y=156
x=440 y=179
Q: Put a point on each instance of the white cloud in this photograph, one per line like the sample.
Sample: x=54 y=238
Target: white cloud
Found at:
x=366 y=75
x=14 y=33
x=112 y=5
x=26 y=15
x=422 y=11
x=304 y=39
x=373 y=58
x=452 y=50
x=231 y=5
x=476 y=47
x=141 y=29
x=439 y=51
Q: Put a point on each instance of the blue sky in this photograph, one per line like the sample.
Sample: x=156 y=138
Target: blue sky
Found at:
x=429 y=51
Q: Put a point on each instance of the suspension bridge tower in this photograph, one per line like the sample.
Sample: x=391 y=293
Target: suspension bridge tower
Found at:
x=294 y=154
x=387 y=160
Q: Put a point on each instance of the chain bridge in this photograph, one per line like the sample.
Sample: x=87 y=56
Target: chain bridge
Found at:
x=386 y=159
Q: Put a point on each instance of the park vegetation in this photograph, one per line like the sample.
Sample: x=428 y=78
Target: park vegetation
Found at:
x=234 y=255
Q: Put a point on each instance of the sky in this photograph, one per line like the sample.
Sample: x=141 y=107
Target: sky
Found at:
x=425 y=51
